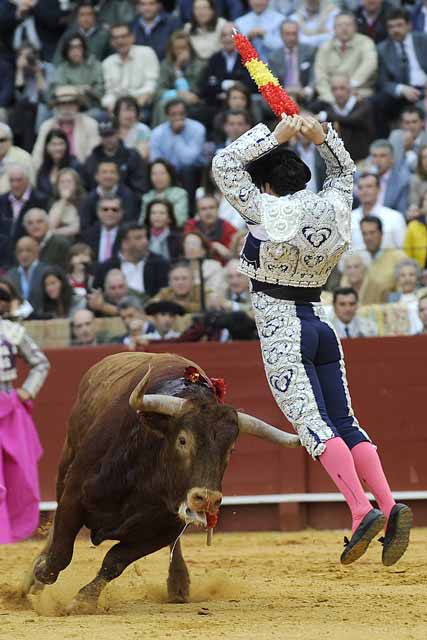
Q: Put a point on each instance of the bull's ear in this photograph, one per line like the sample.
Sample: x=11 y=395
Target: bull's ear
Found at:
x=136 y=399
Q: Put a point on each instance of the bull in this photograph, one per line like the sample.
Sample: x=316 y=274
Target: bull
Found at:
x=146 y=450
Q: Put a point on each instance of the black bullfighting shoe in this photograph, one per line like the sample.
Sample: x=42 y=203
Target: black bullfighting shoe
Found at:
x=396 y=539
x=371 y=524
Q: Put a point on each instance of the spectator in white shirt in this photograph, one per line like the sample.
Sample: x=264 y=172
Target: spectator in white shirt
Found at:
x=394 y=225
x=133 y=70
x=262 y=26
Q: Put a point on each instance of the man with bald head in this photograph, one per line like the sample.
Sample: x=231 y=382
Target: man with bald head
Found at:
x=27 y=276
x=84 y=330
x=53 y=248
x=20 y=198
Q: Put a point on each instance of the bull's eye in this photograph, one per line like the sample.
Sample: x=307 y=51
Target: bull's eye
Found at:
x=182 y=441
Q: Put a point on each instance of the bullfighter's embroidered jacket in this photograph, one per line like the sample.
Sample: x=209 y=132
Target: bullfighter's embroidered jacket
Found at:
x=297 y=239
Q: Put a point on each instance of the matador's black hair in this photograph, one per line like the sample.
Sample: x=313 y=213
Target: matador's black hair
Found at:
x=282 y=168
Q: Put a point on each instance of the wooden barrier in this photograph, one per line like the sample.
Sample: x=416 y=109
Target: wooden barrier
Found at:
x=387 y=382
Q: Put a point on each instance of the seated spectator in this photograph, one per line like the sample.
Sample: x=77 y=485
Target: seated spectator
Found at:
x=422 y=313
x=407 y=140
x=182 y=289
x=82 y=70
x=33 y=78
x=165 y=239
x=145 y=272
x=226 y=211
x=180 y=77
x=393 y=223
x=162 y=315
x=84 y=333
x=415 y=243
x=15 y=203
x=80 y=268
x=197 y=251
x=371 y=18
x=64 y=213
x=10 y=154
x=59 y=299
x=408 y=275
x=293 y=63
x=86 y=24
x=419 y=17
x=181 y=142
x=134 y=134
x=235 y=124
x=107 y=185
x=394 y=179
x=131 y=311
x=352 y=117
x=19 y=309
x=107 y=303
x=152 y=26
x=236 y=296
x=402 y=67
x=207 y=222
x=345 y=320
x=80 y=129
x=316 y=21
x=237 y=98
x=350 y=53
x=380 y=278
x=53 y=249
x=262 y=26
x=231 y=8
x=133 y=169
x=133 y=70
x=354 y=272
x=56 y=156
x=163 y=185
x=418 y=181
x=103 y=236
x=223 y=70
x=27 y=276
x=111 y=12
x=205 y=29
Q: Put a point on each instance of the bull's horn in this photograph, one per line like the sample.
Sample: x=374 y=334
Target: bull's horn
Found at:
x=256 y=427
x=158 y=403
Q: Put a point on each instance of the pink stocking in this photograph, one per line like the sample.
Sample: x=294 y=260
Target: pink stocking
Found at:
x=370 y=471
x=338 y=463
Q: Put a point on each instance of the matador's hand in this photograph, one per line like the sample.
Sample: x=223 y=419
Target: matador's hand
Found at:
x=312 y=130
x=287 y=128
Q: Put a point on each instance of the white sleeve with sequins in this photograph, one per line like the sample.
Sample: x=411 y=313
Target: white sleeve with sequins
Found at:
x=338 y=184
x=38 y=362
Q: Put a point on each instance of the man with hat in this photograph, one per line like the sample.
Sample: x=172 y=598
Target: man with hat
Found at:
x=295 y=239
x=133 y=169
x=80 y=129
x=163 y=315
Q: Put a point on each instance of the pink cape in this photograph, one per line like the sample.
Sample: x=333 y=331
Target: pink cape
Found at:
x=20 y=451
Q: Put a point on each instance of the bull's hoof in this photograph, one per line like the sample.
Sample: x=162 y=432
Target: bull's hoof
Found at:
x=178 y=593
x=178 y=598
x=42 y=574
x=81 y=606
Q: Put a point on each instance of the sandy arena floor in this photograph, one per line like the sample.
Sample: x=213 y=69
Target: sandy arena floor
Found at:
x=256 y=586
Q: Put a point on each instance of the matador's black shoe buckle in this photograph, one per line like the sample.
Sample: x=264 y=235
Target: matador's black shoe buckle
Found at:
x=371 y=524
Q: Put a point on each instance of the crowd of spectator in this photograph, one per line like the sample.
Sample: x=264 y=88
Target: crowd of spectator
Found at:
x=111 y=112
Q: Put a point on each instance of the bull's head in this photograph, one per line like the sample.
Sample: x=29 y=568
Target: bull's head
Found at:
x=201 y=437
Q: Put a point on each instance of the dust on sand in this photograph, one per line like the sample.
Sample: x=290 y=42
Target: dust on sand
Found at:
x=252 y=586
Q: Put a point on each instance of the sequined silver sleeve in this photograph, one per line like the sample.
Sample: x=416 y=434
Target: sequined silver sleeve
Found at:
x=339 y=167
x=38 y=362
x=228 y=168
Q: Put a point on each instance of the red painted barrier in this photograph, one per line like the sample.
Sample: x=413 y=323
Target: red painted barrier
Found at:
x=387 y=383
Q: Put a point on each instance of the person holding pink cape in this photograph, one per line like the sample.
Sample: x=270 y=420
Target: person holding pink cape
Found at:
x=20 y=447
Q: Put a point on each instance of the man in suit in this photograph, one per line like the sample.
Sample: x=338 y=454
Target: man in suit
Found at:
x=103 y=236
x=15 y=203
x=152 y=26
x=27 y=276
x=394 y=179
x=345 y=319
x=371 y=18
x=402 y=69
x=224 y=68
x=107 y=179
x=145 y=272
x=352 y=117
x=293 y=64
x=53 y=248
x=409 y=137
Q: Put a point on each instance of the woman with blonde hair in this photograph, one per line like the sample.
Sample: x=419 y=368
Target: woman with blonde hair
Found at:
x=64 y=215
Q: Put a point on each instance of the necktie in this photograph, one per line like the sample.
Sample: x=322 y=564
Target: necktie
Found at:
x=108 y=246
x=290 y=69
x=347 y=332
x=404 y=62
